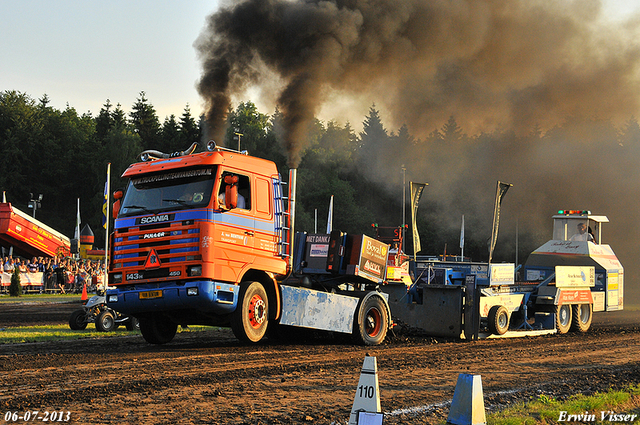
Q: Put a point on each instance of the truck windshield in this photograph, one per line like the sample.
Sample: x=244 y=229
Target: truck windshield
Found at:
x=169 y=191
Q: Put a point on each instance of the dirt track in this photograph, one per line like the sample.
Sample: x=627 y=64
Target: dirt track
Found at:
x=208 y=377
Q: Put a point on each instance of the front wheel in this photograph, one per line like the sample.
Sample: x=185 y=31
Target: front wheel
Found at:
x=105 y=322
x=77 y=321
x=582 y=315
x=372 y=322
x=157 y=329
x=250 y=320
x=563 y=318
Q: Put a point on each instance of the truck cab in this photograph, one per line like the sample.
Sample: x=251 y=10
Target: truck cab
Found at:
x=190 y=231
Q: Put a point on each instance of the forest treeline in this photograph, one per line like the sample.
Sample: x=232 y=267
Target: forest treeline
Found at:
x=63 y=156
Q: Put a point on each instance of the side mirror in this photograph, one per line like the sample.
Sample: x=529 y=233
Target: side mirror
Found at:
x=117 y=203
x=231 y=192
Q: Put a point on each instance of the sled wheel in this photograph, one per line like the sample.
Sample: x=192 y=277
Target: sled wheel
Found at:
x=133 y=324
x=157 y=329
x=372 y=322
x=250 y=319
x=563 y=318
x=581 y=316
x=77 y=321
x=498 y=320
x=105 y=322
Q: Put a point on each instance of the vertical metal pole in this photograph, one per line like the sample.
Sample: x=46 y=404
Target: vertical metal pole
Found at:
x=517 y=235
x=106 y=228
x=404 y=196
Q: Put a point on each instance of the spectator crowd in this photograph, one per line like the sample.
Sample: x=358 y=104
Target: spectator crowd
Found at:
x=65 y=275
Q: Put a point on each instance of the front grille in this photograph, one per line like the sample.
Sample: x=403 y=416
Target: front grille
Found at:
x=173 y=242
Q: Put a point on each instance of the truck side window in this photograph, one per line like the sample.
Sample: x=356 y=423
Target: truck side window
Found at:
x=244 y=190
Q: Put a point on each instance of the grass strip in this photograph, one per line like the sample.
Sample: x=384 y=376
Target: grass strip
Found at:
x=593 y=408
x=40 y=298
x=45 y=333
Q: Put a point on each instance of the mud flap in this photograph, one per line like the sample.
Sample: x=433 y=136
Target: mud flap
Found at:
x=317 y=310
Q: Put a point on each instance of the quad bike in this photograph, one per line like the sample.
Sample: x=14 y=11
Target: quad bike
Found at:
x=105 y=318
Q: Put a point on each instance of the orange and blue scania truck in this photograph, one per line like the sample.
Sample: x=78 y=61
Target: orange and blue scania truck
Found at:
x=208 y=239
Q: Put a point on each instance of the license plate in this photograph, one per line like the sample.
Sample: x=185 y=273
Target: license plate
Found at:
x=150 y=294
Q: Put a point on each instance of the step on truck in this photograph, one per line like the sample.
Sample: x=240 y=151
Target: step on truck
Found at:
x=562 y=284
x=208 y=239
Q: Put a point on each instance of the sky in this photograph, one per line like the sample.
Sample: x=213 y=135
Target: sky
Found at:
x=81 y=53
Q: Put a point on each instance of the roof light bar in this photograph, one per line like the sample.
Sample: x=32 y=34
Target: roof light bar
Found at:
x=568 y=212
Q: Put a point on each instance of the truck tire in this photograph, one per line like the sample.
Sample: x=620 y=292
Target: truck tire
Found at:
x=105 y=322
x=77 y=321
x=157 y=329
x=372 y=322
x=563 y=318
x=581 y=316
x=250 y=319
x=498 y=320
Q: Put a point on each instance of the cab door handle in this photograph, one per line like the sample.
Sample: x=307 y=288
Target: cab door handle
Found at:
x=249 y=233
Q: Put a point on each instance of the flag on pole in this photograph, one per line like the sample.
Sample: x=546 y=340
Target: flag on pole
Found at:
x=416 y=193
x=105 y=201
x=77 y=233
x=501 y=190
x=330 y=217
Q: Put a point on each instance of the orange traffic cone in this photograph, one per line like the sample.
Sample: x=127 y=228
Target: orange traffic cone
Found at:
x=84 y=293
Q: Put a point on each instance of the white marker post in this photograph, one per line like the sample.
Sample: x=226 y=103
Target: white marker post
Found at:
x=467 y=407
x=366 y=408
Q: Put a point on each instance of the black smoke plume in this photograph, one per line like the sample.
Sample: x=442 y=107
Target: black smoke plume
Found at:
x=548 y=79
x=493 y=63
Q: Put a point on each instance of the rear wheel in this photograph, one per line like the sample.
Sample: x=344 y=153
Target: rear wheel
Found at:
x=157 y=329
x=105 y=322
x=250 y=320
x=581 y=316
x=563 y=318
x=372 y=322
x=78 y=321
x=498 y=320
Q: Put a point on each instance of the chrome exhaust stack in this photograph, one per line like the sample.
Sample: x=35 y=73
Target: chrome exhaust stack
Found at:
x=293 y=173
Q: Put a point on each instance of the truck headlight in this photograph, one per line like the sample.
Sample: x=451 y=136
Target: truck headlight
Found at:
x=192 y=291
x=195 y=271
x=113 y=298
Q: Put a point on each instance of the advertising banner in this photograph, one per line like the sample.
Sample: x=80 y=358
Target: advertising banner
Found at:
x=26 y=279
x=575 y=276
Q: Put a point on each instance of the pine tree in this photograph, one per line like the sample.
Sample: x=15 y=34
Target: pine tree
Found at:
x=189 y=129
x=373 y=131
x=104 y=121
x=451 y=131
x=145 y=122
x=373 y=139
x=170 y=136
